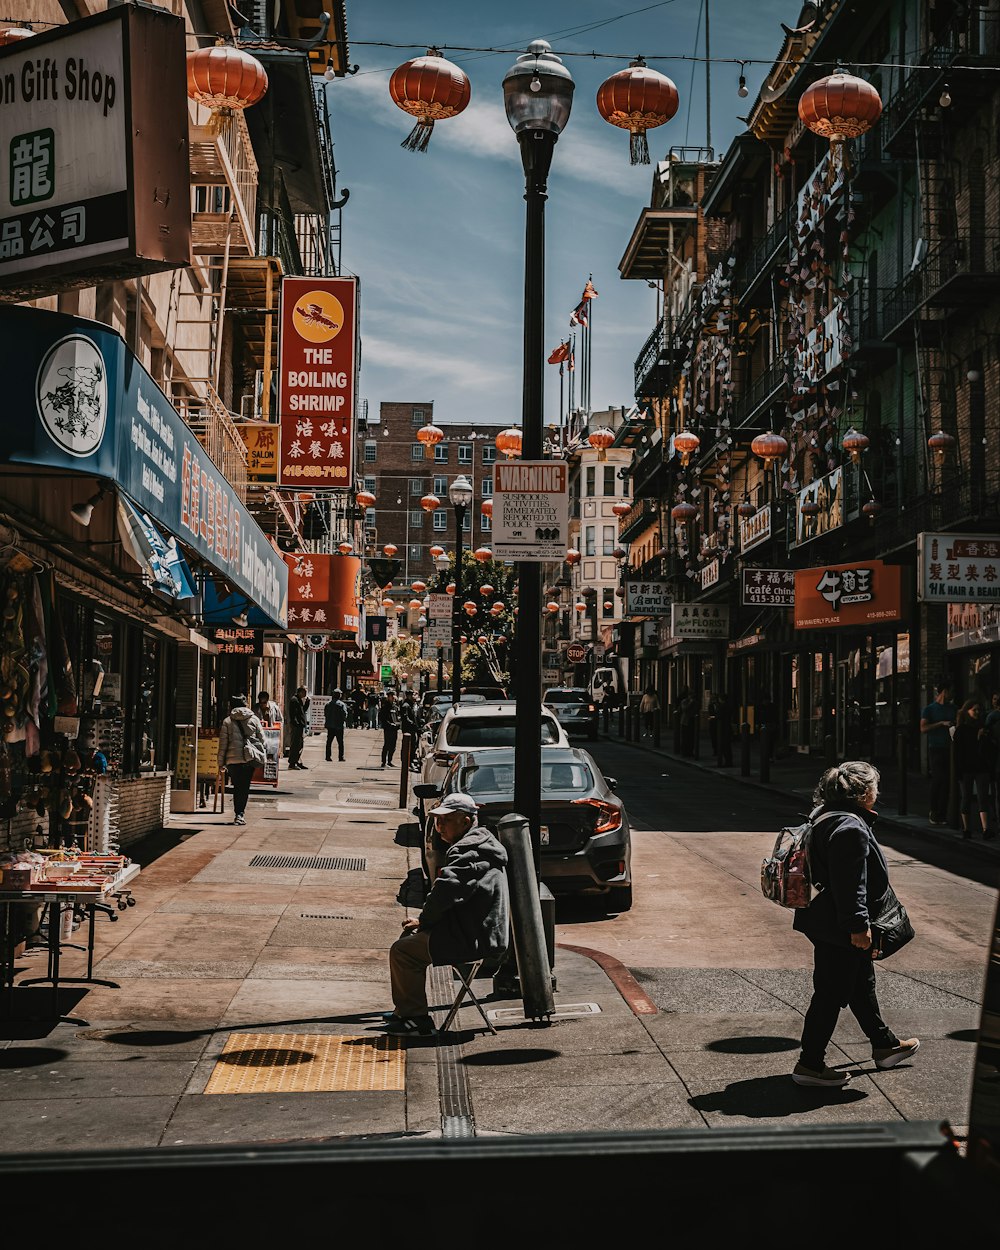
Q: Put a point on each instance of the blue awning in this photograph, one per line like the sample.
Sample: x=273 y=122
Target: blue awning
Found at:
x=160 y=557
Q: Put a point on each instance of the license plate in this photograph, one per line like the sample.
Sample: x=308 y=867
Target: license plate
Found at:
x=544 y=838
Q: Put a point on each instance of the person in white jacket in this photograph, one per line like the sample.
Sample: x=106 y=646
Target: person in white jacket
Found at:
x=239 y=728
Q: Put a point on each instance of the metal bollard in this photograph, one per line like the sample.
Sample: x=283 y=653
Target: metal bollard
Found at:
x=765 y=753
x=744 y=750
x=902 y=807
x=606 y=711
x=656 y=730
x=404 y=776
x=621 y=721
x=527 y=924
x=627 y=713
x=830 y=749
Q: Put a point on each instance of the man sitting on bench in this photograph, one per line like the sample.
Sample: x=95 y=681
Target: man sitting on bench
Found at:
x=464 y=918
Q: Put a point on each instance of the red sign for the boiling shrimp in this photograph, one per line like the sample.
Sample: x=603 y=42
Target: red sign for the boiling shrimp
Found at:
x=316 y=371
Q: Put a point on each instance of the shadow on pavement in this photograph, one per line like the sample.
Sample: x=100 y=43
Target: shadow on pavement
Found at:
x=752 y=1045
x=413 y=890
x=408 y=834
x=503 y=1058
x=31 y=1056
x=770 y=1096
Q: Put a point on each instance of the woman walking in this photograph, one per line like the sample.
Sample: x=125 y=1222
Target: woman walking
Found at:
x=849 y=864
x=241 y=738
x=975 y=757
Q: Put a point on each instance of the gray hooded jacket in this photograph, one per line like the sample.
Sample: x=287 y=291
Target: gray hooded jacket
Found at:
x=241 y=722
x=467 y=910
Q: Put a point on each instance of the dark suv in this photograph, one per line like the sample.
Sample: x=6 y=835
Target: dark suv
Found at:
x=575 y=710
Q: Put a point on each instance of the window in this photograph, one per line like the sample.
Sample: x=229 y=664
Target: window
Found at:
x=467 y=521
x=589 y=540
x=416 y=517
x=485 y=523
x=370 y=517
x=440 y=519
x=417 y=486
x=610 y=538
x=489 y=453
x=418 y=416
x=441 y=453
x=591 y=488
x=609 y=479
x=415 y=553
x=465 y=453
x=371 y=448
x=441 y=487
x=370 y=485
x=487 y=490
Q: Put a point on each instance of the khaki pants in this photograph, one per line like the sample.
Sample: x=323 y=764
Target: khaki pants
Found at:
x=409 y=959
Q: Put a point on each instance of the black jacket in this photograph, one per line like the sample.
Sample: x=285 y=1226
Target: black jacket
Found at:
x=466 y=912
x=388 y=714
x=848 y=863
x=335 y=714
x=975 y=751
x=297 y=708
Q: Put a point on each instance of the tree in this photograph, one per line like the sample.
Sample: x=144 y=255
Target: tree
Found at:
x=485 y=664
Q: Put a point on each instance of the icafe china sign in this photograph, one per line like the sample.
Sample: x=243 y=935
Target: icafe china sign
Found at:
x=864 y=593
x=316 y=371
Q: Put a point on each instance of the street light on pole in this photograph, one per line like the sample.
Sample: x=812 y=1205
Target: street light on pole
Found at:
x=538 y=96
x=460 y=493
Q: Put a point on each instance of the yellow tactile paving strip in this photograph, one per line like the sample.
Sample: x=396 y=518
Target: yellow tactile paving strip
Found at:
x=307 y=1063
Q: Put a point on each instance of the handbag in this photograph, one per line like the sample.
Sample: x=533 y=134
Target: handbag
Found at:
x=891 y=927
x=253 y=752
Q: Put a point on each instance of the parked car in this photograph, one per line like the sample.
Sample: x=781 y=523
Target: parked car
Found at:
x=574 y=708
x=585 y=833
x=488 y=692
x=480 y=726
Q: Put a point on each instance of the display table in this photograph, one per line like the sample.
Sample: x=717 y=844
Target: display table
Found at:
x=89 y=895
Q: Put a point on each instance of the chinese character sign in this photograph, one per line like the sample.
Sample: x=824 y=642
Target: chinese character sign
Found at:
x=261 y=441
x=316 y=372
x=768 y=588
x=864 y=593
x=756 y=529
x=323 y=593
x=648 y=598
x=239 y=641
x=709 y=621
x=958 y=568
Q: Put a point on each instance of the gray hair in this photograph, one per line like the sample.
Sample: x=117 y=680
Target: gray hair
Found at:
x=850 y=782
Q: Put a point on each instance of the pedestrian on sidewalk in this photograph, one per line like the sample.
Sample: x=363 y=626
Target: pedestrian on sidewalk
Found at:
x=993 y=729
x=464 y=918
x=374 y=710
x=359 y=711
x=936 y=721
x=649 y=710
x=409 y=722
x=268 y=712
x=975 y=755
x=849 y=863
x=335 y=719
x=241 y=732
x=298 y=707
x=388 y=718
x=688 y=712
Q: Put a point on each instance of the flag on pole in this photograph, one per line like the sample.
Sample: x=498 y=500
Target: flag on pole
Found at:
x=578 y=317
x=560 y=354
x=572 y=361
x=588 y=290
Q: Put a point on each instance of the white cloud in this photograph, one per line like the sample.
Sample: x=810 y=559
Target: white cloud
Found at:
x=413 y=362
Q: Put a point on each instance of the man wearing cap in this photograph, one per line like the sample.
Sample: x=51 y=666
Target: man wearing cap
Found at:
x=464 y=917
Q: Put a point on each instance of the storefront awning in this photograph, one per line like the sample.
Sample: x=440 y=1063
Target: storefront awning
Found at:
x=160 y=558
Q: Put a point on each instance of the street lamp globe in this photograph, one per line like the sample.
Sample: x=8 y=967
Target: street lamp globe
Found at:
x=460 y=492
x=538 y=91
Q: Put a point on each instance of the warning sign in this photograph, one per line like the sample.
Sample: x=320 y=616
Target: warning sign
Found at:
x=531 y=510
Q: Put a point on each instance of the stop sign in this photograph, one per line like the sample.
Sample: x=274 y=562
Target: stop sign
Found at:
x=576 y=653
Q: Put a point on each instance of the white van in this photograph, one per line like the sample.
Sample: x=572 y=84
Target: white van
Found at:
x=606 y=686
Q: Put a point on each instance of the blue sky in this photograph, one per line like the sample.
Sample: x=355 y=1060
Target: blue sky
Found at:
x=437 y=239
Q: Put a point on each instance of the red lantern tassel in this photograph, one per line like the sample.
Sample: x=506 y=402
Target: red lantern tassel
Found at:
x=419 y=137
x=639 y=154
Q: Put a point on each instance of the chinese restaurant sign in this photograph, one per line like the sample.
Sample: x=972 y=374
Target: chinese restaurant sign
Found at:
x=324 y=592
x=768 y=588
x=708 y=622
x=756 y=529
x=648 y=598
x=316 y=375
x=94 y=152
x=958 y=568
x=81 y=400
x=239 y=641
x=261 y=440
x=864 y=593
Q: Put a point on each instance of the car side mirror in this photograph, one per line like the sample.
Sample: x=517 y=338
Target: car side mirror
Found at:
x=426 y=790
x=612 y=783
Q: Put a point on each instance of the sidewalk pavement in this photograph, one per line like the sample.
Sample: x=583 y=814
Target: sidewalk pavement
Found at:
x=251 y=976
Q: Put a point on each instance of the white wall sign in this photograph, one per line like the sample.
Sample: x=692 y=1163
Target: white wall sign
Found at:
x=958 y=568
x=648 y=598
x=701 y=621
x=530 y=510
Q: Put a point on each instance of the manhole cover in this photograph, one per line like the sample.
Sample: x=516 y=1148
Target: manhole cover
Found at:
x=565 y=1011
x=365 y=800
x=339 y=862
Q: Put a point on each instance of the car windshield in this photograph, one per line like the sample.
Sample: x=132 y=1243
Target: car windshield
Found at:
x=498 y=731
x=562 y=778
x=567 y=696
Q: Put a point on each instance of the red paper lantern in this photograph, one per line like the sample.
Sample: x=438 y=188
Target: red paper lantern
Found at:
x=687 y=444
x=621 y=508
x=854 y=443
x=436 y=552
x=418 y=586
x=601 y=439
x=364 y=499
x=940 y=444
x=483 y=554
x=345 y=548
x=580 y=606
x=486 y=507
x=871 y=509
x=608 y=605
x=619 y=553
x=508 y=442
x=450 y=588
x=769 y=447
x=486 y=589
x=637 y=99
x=430 y=502
x=552 y=606
x=746 y=509
x=683 y=512
x=388 y=603
x=431 y=89
x=430 y=436
x=481 y=640
x=415 y=605
x=840 y=107
x=809 y=508
x=389 y=550
x=14 y=34
x=469 y=608
x=572 y=556
x=225 y=79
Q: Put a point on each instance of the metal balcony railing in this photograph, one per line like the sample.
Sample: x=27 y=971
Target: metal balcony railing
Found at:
x=214 y=427
x=642 y=512
x=313 y=244
x=770 y=383
x=763 y=254
x=224 y=177
x=948 y=275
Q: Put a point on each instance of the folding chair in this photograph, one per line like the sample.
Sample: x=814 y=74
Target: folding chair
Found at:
x=466 y=974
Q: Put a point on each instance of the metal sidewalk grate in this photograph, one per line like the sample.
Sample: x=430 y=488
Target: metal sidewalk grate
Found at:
x=318 y=915
x=342 y=863
x=365 y=800
x=306 y=1063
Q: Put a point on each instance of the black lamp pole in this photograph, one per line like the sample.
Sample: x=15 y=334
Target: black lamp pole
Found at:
x=538 y=95
x=460 y=494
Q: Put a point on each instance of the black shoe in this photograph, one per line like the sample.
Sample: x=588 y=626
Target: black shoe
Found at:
x=423 y=1026
x=329 y=760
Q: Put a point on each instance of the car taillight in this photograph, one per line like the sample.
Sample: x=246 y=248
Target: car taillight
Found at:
x=591 y=708
x=608 y=816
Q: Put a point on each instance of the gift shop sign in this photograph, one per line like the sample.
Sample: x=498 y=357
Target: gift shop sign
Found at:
x=958 y=568
x=94 y=174
x=316 y=379
x=530 y=510
x=864 y=593
x=323 y=592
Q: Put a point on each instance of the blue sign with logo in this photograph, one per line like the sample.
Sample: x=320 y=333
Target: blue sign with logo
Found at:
x=79 y=399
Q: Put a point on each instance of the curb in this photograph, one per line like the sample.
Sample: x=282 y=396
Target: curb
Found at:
x=620 y=977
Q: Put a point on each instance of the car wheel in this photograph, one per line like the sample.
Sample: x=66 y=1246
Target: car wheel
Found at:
x=619 y=899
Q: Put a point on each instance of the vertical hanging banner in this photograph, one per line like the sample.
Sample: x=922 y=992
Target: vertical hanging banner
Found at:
x=316 y=372
x=323 y=593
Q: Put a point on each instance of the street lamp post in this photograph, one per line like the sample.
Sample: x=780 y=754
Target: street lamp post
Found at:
x=538 y=95
x=460 y=494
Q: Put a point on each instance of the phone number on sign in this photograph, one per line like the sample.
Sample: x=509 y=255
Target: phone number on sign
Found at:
x=314 y=470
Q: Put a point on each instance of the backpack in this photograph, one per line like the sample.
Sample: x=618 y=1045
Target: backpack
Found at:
x=253 y=751
x=785 y=874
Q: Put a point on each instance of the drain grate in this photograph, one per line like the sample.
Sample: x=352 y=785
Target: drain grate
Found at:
x=365 y=800
x=341 y=863
x=323 y=915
